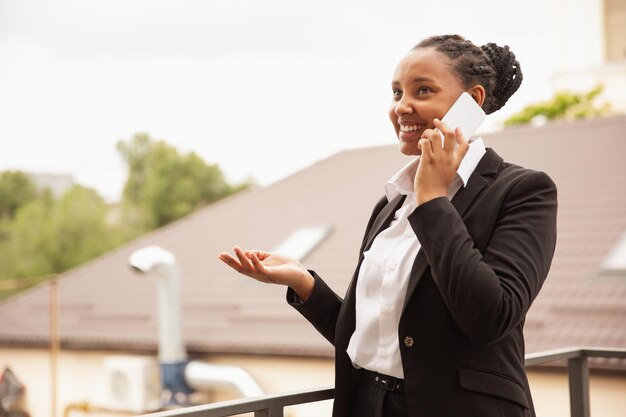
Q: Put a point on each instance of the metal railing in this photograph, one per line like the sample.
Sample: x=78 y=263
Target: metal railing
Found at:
x=577 y=371
x=273 y=405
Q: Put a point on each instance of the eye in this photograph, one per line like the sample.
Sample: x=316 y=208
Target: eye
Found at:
x=424 y=90
x=397 y=93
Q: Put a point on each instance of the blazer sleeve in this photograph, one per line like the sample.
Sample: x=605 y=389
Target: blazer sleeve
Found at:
x=489 y=293
x=321 y=309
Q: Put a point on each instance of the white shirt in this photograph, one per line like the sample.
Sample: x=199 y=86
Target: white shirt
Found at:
x=384 y=273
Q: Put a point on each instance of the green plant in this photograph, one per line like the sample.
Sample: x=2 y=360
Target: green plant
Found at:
x=564 y=105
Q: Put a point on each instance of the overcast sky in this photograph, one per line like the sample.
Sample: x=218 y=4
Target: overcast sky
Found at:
x=262 y=88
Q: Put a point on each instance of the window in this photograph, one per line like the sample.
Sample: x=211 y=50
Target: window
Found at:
x=302 y=241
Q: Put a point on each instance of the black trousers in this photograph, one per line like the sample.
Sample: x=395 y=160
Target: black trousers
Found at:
x=376 y=399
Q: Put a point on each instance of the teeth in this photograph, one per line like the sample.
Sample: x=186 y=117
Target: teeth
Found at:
x=410 y=128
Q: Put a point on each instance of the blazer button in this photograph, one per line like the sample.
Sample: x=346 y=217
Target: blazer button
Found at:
x=408 y=341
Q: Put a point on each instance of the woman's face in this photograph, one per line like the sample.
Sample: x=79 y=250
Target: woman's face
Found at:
x=424 y=87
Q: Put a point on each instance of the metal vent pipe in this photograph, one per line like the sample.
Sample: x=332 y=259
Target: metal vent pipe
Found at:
x=179 y=376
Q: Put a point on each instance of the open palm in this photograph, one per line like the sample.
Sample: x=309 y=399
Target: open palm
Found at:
x=267 y=267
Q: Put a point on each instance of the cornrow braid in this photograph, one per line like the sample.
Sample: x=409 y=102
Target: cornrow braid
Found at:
x=492 y=66
x=509 y=73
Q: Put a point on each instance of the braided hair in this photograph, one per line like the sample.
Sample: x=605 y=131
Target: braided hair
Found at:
x=492 y=66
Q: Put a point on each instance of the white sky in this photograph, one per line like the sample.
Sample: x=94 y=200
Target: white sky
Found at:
x=262 y=88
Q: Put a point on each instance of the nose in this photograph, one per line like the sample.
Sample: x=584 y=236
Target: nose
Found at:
x=403 y=106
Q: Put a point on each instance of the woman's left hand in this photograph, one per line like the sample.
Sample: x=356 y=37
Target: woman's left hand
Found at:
x=439 y=161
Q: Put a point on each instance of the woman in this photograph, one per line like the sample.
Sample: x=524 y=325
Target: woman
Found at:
x=452 y=258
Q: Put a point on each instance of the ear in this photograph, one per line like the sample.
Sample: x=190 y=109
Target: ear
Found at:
x=478 y=93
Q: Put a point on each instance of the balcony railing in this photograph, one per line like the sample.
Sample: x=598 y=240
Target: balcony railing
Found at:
x=273 y=405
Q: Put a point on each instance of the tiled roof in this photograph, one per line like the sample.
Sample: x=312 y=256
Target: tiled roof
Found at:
x=105 y=305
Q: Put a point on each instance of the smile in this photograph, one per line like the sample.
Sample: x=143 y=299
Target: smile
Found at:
x=410 y=128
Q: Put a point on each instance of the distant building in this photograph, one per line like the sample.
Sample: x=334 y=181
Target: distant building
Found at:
x=591 y=39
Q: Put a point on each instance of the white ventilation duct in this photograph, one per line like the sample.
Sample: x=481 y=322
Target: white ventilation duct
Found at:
x=204 y=376
x=162 y=264
x=199 y=376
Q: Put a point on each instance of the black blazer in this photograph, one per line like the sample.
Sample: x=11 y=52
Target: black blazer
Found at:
x=484 y=258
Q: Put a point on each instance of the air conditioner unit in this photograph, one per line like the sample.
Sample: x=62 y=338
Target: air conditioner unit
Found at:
x=132 y=384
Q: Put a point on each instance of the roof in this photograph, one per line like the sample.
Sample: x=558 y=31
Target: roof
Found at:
x=105 y=305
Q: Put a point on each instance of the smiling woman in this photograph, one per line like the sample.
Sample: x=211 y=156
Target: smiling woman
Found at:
x=453 y=256
x=423 y=81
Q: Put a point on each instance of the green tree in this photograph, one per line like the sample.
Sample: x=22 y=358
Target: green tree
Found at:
x=7 y=267
x=135 y=154
x=564 y=105
x=167 y=185
x=16 y=189
x=51 y=236
x=42 y=235
x=31 y=240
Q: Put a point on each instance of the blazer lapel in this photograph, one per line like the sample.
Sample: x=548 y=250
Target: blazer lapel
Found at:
x=417 y=270
x=383 y=220
x=483 y=174
x=462 y=200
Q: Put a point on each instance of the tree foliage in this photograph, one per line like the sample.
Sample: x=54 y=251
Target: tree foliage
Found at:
x=50 y=236
x=167 y=185
x=41 y=234
x=564 y=105
x=16 y=189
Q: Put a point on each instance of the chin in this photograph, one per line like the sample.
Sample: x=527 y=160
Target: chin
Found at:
x=408 y=149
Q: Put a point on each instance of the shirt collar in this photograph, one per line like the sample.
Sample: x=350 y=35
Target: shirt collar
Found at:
x=403 y=181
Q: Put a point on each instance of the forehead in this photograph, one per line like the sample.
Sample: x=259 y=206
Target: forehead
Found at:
x=424 y=63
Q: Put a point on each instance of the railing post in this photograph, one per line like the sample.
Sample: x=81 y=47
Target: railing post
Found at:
x=274 y=410
x=578 y=373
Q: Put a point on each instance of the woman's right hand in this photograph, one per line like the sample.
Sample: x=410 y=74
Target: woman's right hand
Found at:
x=271 y=268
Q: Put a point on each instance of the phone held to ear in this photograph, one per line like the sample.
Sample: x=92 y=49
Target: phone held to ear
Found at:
x=465 y=114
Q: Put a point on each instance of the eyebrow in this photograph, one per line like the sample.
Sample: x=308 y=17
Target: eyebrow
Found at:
x=416 y=80
x=422 y=79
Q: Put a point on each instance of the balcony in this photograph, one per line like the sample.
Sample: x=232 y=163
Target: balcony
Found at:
x=273 y=405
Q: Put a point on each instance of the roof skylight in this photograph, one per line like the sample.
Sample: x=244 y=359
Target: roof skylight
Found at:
x=302 y=241
x=615 y=262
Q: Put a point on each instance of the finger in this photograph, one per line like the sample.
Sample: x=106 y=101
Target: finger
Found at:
x=258 y=266
x=261 y=255
x=245 y=262
x=459 y=136
x=250 y=254
x=462 y=144
x=227 y=258
x=230 y=261
x=426 y=146
x=449 y=138
x=460 y=139
x=435 y=136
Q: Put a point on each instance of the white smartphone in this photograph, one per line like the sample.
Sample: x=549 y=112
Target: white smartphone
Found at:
x=465 y=114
